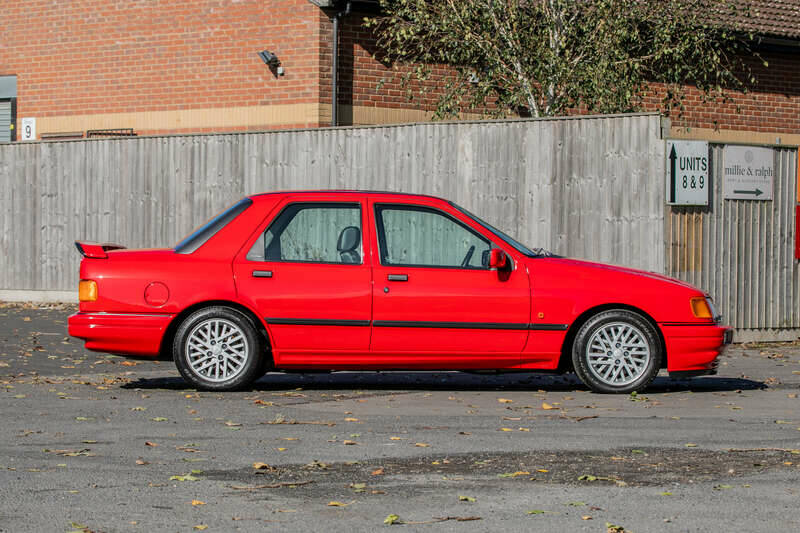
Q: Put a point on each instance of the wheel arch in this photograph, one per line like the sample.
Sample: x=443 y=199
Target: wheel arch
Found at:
x=165 y=350
x=565 y=360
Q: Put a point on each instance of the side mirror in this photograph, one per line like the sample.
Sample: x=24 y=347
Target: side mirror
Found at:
x=497 y=258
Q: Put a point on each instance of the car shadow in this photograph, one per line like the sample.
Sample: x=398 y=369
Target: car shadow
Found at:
x=454 y=381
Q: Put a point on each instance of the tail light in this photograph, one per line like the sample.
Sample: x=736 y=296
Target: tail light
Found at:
x=87 y=290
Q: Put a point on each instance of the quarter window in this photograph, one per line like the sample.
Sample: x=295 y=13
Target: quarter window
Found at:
x=312 y=233
x=419 y=236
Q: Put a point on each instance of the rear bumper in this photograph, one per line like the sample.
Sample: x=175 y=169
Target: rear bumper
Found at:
x=692 y=349
x=120 y=333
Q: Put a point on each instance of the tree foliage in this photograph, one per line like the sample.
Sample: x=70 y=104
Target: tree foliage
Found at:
x=544 y=57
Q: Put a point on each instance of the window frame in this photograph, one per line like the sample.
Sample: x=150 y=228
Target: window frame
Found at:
x=380 y=231
x=322 y=203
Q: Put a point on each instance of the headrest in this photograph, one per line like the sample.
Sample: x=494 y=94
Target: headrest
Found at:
x=349 y=239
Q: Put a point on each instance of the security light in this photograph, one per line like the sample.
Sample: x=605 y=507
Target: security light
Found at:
x=270 y=59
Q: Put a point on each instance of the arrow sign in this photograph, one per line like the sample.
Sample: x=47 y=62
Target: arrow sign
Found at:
x=686 y=172
x=672 y=174
x=757 y=192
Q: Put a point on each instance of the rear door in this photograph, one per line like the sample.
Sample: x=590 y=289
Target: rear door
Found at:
x=435 y=300
x=305 y=273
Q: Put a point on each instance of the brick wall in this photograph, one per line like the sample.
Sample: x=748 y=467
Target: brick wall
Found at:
x=121 y=56
x=773 y=105
x=169 y=66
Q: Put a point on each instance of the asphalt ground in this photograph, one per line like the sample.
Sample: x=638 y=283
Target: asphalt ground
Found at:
x=92 y=442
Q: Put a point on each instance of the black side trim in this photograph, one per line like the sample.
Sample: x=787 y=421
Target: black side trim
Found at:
x=684 y=374
x=688 y=323
x=447 y=325
x=316 y=322
x=548 y=327
x=415 y=324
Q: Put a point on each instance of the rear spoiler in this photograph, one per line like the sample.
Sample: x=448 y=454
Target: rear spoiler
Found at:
x=94 y=250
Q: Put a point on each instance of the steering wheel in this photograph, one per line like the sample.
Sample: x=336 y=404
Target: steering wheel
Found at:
x=467 y=257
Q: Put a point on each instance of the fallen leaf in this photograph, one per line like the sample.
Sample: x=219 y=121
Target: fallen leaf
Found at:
x=201 y=527
x=377 y=472
x=586 y=517
x=392 y=519
x=339 y=504
x=421 y=445
x=349 y=442
x=536 y=511
x=546 y=406
x=666 y=494
x=466 y=499
x=159 y=419
x=149 y=443
x=396 y=438
x=351 y=419
x=262 y=466
x=691 y=445
x=504 y=400
x=195 y=503
x=514 y=474
x=184 y=477
x=506 y=429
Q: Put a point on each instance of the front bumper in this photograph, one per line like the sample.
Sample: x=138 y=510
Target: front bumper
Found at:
x=692 y=349
x=120 y=333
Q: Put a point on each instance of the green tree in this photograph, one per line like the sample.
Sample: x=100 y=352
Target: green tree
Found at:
x=544 y=57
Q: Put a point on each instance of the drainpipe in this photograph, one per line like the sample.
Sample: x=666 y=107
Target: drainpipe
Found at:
x=335 y=66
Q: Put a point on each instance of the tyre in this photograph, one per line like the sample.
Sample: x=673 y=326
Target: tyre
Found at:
x=218 y=349
x=617 y=351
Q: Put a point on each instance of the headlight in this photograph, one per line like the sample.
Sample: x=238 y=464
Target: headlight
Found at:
x=714 y=315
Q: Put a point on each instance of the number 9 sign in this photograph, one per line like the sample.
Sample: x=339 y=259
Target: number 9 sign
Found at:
x=28 y=129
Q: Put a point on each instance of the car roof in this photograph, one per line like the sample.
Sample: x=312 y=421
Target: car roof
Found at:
x=347 y=191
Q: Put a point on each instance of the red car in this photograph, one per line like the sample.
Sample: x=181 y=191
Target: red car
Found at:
x=335 y=280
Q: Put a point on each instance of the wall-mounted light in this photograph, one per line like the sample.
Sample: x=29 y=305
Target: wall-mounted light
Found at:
x=269 y=58
x=272 y=61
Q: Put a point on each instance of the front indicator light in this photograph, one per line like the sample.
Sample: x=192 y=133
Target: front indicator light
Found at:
x=87 y=290
x=700 y=308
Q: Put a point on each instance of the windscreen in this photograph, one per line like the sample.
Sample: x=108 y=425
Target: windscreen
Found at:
x=201 y=235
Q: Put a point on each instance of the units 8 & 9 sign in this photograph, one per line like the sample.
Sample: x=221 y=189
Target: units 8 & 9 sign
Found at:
x=687 y=172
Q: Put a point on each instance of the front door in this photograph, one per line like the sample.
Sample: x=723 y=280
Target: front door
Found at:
x=435 y=299
x=306 y=276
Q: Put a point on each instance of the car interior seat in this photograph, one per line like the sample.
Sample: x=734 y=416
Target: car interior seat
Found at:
x=347 y=245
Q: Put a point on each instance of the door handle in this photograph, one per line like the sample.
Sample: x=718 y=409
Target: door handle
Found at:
x=397 y=277
x=262 y=273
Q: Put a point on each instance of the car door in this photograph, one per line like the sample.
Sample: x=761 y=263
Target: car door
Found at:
x=435 y=300
x=305 y=273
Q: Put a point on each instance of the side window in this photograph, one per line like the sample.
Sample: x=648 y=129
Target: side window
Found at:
x=312 y=233
x=418 y=236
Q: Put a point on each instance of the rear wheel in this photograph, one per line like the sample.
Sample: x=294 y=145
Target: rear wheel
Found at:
x=617 y=351
x=218 y=348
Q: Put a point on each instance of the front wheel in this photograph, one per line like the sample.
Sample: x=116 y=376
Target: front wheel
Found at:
x=617 y=351
x=218 y=348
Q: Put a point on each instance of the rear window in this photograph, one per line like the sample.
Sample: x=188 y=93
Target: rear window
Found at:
x=201 y=235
